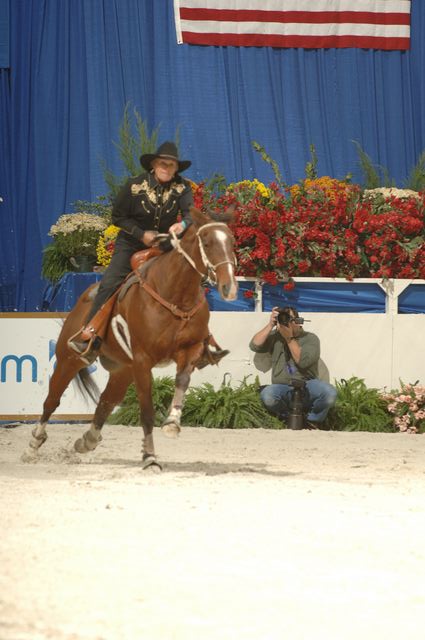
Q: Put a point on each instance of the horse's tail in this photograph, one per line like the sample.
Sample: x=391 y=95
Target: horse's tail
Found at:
x=87 y=386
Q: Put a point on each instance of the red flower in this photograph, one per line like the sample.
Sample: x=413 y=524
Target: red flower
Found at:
x=303 y=266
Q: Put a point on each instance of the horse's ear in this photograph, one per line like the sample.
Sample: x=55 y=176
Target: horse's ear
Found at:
x=198 y=217
x=229 y=214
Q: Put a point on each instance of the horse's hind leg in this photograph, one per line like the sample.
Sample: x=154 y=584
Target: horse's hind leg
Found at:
x=64 y=372
x=112 y=395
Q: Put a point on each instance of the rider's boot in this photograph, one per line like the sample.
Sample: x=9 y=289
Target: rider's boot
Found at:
x=209 y=356
x=88 y=340
x=86 y=344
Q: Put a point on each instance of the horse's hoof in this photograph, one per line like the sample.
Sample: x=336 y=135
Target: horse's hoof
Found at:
x=87 y=443
x=29 y=455
x=171 y=430
x=150 y=462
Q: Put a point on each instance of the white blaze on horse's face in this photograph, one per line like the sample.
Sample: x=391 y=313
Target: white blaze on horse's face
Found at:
x=219 y=258
x=229 y=290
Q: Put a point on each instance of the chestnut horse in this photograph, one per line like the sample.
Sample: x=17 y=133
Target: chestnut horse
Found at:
x=163 y=317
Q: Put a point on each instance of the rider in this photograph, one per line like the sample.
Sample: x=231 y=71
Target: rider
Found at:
x=147 y=205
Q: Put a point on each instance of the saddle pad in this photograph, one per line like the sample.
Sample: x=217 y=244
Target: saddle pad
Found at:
x=132 y=279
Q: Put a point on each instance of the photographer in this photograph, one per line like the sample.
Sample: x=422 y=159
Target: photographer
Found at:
x=295 y=354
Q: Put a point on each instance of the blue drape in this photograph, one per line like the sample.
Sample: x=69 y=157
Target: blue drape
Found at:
x=75 y=64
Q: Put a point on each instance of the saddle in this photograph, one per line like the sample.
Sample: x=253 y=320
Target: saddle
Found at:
x=86 y=342
x=94 y=333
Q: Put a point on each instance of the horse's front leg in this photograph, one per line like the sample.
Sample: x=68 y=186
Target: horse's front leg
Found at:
x=143 y=382
x=185 y=366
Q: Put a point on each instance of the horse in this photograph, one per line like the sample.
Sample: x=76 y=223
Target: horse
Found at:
x=161 y=318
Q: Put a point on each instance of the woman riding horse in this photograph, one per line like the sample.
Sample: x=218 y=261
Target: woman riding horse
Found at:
x=146 y=206
x=160 y=317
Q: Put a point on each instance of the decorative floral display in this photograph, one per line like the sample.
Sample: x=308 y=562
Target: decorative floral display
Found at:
x=391 y=233
x=106 y=245
x=319 y=227
x=323 y=227
x=408 y=408
x=77 y=233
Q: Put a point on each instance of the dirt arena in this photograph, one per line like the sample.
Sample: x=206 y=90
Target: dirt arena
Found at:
x=247 y=534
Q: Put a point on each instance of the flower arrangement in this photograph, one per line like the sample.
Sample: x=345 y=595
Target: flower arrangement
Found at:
x=323 y=227
x=75 y=237
x=77 y=233
x=320 y=227
x=407 y=405
x=390 y=231
x=106 y=245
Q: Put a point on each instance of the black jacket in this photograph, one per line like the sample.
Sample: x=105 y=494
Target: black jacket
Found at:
x=144 y=204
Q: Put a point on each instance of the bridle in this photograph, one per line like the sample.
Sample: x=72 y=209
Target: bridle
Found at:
x=211 y=269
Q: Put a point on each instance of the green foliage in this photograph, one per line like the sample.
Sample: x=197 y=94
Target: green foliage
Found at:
x=416 y=179
x=311 y=167
x=227 y=407
x=359 y=408
x=275 y=167
x=372 y=179
x=378 y=176
x=204 y=406
x=216 y=184
x=102 y=207
x=54 y=264
x=134 y=140
x=129 y=411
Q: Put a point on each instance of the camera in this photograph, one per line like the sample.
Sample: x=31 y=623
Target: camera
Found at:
x=284 y=318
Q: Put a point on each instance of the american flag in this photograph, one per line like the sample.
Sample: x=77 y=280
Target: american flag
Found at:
x=308 y=24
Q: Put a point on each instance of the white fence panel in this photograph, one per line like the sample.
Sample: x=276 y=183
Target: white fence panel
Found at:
x=381 y=348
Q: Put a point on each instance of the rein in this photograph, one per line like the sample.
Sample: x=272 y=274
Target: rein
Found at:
x=211 y=268
x=210 y=273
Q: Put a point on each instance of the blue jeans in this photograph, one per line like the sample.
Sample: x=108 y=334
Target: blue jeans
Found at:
x=277 y=398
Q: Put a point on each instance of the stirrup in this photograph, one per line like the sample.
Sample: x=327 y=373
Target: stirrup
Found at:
x=87 y=350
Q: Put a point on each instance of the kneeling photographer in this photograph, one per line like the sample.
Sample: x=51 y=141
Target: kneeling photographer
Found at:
x=295 y=355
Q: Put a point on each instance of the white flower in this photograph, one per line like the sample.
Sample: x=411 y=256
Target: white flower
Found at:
x=77 y=222
x=388 y=192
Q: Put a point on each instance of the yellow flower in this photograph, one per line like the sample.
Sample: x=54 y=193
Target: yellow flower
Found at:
x=250 y=185
x=329 y=186
x=192 y=184
x=106 y=245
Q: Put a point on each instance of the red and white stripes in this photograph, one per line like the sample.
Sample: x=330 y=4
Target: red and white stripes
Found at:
x=370 y=24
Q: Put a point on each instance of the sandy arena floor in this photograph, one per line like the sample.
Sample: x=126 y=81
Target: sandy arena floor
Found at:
x=247 y=534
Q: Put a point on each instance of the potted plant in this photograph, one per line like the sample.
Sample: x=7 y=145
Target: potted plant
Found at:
x=75 y=238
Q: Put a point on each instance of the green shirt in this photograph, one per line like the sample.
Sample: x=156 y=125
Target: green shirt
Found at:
x=306 y=369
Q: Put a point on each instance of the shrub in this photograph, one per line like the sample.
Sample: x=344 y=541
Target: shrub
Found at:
x=129 y=412
x=226 y=407
x=359 y=408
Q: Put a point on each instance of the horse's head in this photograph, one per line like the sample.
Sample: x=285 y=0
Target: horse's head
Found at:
x=216 y=246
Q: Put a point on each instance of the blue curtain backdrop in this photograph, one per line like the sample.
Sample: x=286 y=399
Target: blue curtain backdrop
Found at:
x=73 y=65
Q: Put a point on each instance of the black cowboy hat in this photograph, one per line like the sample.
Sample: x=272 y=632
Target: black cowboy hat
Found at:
x=167 y=150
